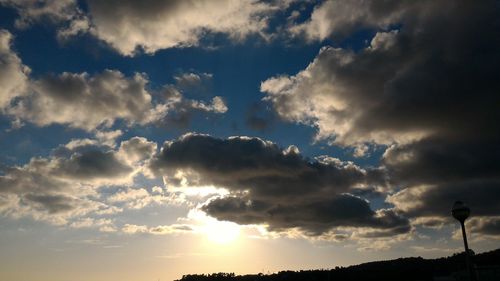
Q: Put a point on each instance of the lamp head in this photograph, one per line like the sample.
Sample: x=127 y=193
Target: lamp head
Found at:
x=460 y=211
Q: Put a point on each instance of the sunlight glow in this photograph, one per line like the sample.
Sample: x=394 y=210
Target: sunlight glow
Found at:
x=218 y=232
x=222 y=232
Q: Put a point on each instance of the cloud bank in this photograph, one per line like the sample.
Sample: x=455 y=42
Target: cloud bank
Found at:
x=91 y=102
x=276 y=187
x=425 y=88
x=63 y=186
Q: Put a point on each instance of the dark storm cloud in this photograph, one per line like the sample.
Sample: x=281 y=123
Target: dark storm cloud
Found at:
x=314 y=217
x=435 y=75
x=273 y=186
x=442 y=160
x=239 y=163
x=426 y=86
x=487 y=226
x=436 y=200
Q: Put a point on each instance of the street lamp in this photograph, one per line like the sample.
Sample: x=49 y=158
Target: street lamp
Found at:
x=461 y=212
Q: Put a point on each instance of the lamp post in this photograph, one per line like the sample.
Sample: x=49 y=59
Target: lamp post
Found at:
x=461 y=212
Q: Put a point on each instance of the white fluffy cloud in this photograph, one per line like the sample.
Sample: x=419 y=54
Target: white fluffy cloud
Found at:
x=84 y=101
x=339 y=18
x=137 y=149
x=138 y=198
x=156 y=230
x=323 y=97
x=64 y=186
x=153 y=25
x=13 y=74
x=177 y=110
x=90 y=102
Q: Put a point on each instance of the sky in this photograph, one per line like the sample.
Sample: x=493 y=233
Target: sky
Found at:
x=145 y=140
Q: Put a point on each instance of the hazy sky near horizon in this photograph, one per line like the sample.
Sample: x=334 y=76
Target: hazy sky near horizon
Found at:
x=144 y=140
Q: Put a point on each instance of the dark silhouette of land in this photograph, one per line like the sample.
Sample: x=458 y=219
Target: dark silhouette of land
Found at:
x=402 y=269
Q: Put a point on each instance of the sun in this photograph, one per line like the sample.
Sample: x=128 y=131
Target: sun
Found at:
x=221 y=232
x=215 y=231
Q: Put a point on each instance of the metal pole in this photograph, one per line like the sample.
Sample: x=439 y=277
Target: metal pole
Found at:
x=464 y=235
x=468 y=261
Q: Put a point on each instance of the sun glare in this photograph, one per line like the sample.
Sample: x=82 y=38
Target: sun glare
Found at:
x=221 y=232
x=218 y=232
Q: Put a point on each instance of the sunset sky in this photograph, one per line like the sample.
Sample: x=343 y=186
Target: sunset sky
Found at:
x=144 y=140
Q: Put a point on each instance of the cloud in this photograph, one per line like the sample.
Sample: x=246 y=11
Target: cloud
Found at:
x=66 y=14
x=489 y=226
x=108 y=137
x=252 y=161
x=31 y=11
x=422 y=249
x=93 y=102
x=83 y=184
x=13 y=74
x=153 y=25
x=156 y=230
x=314 y=217
x=413 y=81
x=194 y=83
x=130 y=195
x=432 y=222
x=272 y=186
x=339 y=18
x=105 y=225
x=57 y=208
x=437 y=200
x=131 y=27
x=52 y=203
x=435 y=172
x=424 y=88
x=63 y=186
x=83 y=101
x=92 y=164
x=178 y=111
x=137 y=149
x=444 y=160
x=137 y=198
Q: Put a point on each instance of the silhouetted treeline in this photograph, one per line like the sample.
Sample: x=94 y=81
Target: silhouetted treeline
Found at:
x=407 y=269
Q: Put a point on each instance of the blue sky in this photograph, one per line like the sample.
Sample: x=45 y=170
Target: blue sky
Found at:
x=176 y=137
